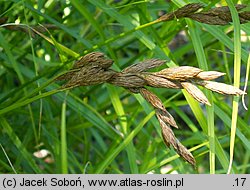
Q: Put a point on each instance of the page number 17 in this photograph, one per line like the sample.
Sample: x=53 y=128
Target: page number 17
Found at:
x=240 y=182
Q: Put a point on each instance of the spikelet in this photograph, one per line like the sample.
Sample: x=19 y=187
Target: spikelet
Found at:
x=195 y=92
x=159 y=107
x=179 y=73
x=214 y=16
x=143 y=66
x=209 y=75
x=170 y=139
x=221 y=88
x=158 y=81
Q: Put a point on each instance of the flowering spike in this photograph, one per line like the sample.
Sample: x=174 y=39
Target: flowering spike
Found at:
x=95 y=69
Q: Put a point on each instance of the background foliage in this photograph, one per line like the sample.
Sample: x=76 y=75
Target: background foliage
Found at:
x=105 y=129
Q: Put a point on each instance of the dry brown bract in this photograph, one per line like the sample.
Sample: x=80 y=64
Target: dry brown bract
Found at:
x=215 y=16
x=94 y=68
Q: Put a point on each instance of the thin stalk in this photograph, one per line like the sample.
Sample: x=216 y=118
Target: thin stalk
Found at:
x=108 y=41
x=237 y=65
x=64 y=162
